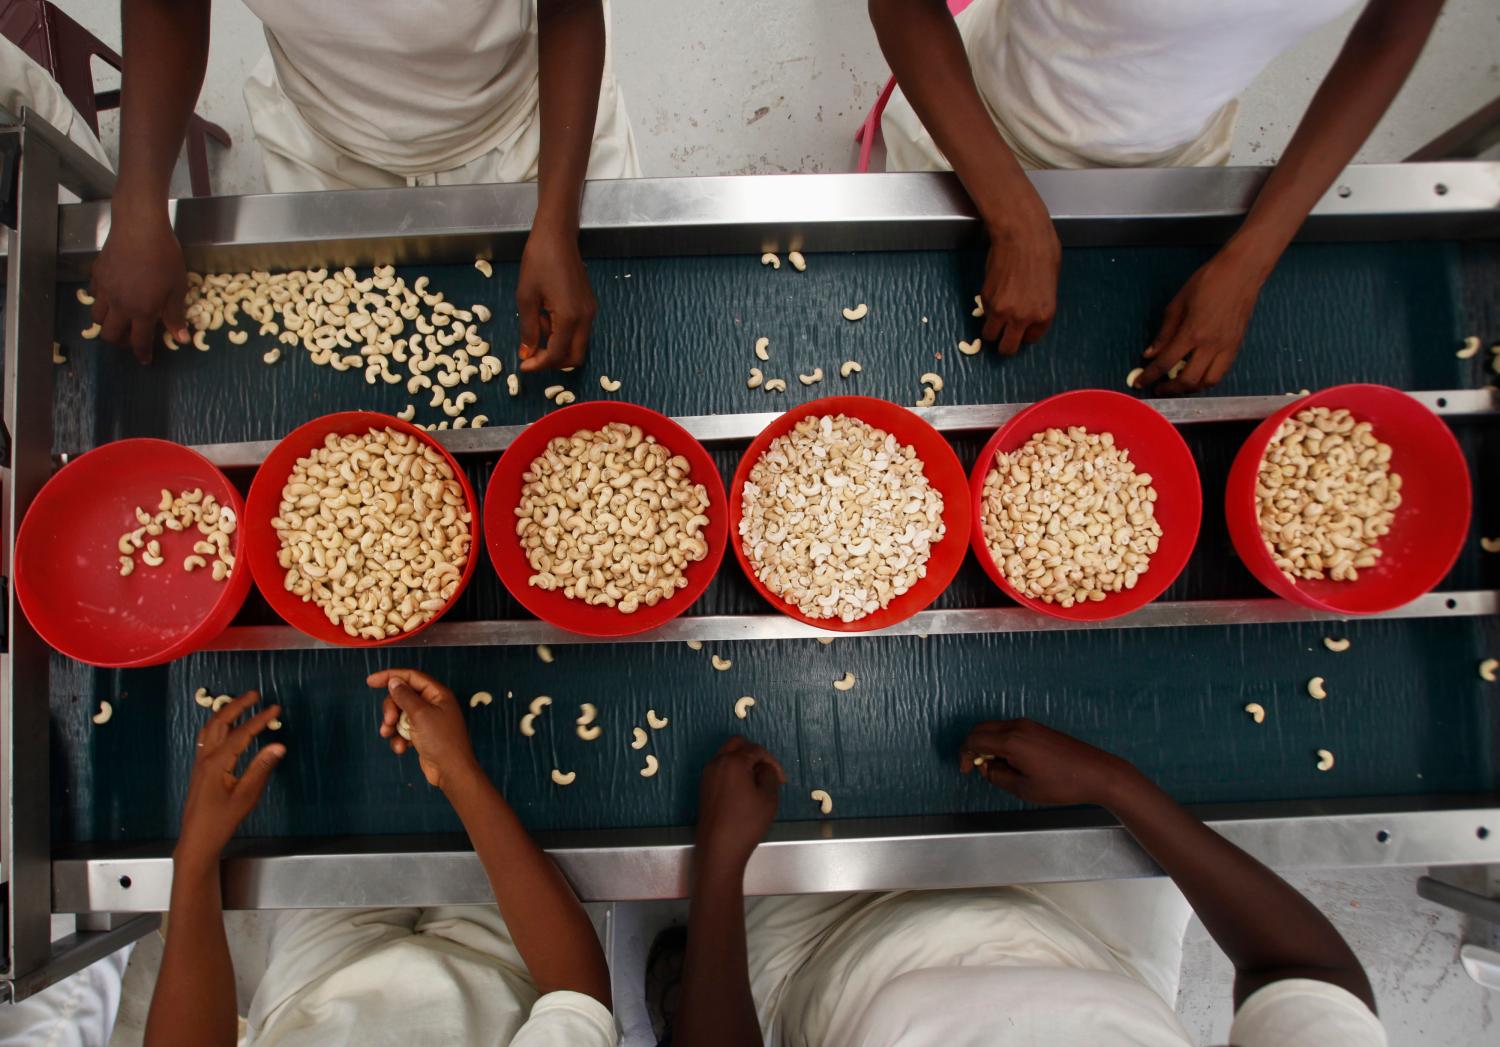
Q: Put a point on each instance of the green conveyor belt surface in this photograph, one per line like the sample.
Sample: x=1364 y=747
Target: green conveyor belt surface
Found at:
x=1406 y=711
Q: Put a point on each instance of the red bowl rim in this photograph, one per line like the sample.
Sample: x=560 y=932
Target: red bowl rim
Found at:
x=196 y=638
x=956 y=514
x=976 y=492
x=557 y=423
x=350 y=423
x=1255 y=445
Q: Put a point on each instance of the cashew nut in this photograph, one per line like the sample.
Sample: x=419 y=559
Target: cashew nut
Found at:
x=655 y=722
x=1336 y=646
x=857 y=313
x=407 y=413
x=822 y=799
x=271 y=355
x=769 y=258
x=978 y=306
x=761 y=347
x=638 y=738
x=544 y=653
x=825 y=640
x=928 y=398
x=84 y=298
x=720 y=664
x=1133 y=377
x=755 y=379
x=649 y=771
x=528 y=725
x=811 y=379
x=192 y=563
x=743 y=706
x=403 y=726
x=200 y=340
x=608 y=384
x=1257 y=712
x=931 y=379
x=274 y=725
x=695 y=645
x=539 y=703
x=559 y=778
x=484 y=267
x=479 y=698
x=105 y=712
x=553 y=390
x=586 y=714
x=1470 y=349
x=775 y=385
x=849 y=367
x=220 y=701
x=845 y=682
x=512 y=385
x=1488 y=670
x=969 y=348
x=90 y=332
x=57 y=354
x=1490 y=545
x=238 y=337
x=202 y=698
x=1325 y=760
x=1316 y=689
x=798 y=262
x=590 y=732
x=564 y=398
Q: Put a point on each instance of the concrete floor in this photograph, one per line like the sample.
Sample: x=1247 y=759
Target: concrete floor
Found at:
x=780 y=86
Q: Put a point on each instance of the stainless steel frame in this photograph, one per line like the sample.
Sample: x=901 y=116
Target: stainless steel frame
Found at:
x=674 y=216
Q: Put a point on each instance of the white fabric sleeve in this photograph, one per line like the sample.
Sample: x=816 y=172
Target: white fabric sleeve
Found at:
x=1303 y=1012
x=568 y=1019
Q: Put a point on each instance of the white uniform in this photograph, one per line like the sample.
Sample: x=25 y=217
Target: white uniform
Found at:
x=25 y=84
x=1063 y=965
x=362 y=94
x=411 y=977
x=1112 y=83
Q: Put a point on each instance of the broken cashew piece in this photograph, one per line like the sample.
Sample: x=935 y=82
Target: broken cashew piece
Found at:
x=586 y=714
x=655 y=722
x=105 y=712
x=57 y=354
x=769 y=258
x=638 y=738
x=1470 y=349
x=1316 y=689
x=795 y=257
x=811 y=379
x=755 y=379
x=1257 y=712
x=1133 y=377
x=1338 y=646
x=608 y=384
x=720 y=664
x=743 y=706
x=857 y=313
x=274 y=725
x=483 y=265
x=649 y=771
x=480 y=698
x=539 y=703
x=1489 y=670
x=933 y=380
x=528 y=725
x=849 y=367
x=544 y=653
x=761 y=347
x=512 y=385
x=559 y=778
x=590 y=732
x=1325 y=760
x=978 y=306
x=969 y=348
x=822 y=799
x=844 y=683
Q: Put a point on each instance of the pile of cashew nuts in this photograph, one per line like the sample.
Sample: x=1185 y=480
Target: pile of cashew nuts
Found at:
x=1325 y=495
x=375 y=530
x=611 y=518
x=839 y=517
x=182 y=512
x=1067 y=518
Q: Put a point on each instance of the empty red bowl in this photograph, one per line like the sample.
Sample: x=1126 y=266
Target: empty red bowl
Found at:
x=943 y=471
x=504 y=494
x=1429 y=526
x=67 y=571
x=262 y=545
x=1155 y=447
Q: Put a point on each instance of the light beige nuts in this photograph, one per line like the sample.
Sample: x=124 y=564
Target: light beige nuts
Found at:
x=1133 y=377
x=1490 y=545
x=638 y=738
x=84 y=298
x=544 y=653
x=1489 y=669
x=775 y=385
x=1337 y=646
x=271 y=355
x=559 y=778
x=552 y=391
x=1257 y=712
x=484 y=267
x=811 y=379
x=106 y=710
x=652 y=764
x=978 y=306
x=969 y=348
x=1067 y=518
x=479 y=698
x=1470 y=348
x=743 y=706
x=152 y=557
x=57 y=354
x=564 y=398
x=933 y=380
x=200 y=340
x=769 y=258
x=845 y=682
x=822 y=799
x=192 y=563
x=721 y=664
x=512 y=385
x=1325 y=760
x=825 y=640
x=1176 y=369
x=849 y=367
x=479 y=421
x=539 y=703
x=589 y=732
x=1316 y=688
x=608 y=384
x=755 y=379
x=586 y=714
x=90 y=332
x=238 y=337
x=798 y=262
x=811 y=546
x=929 y=397
x=762 y=345
x=655 y=722
x=857 y=313
x=528 y=725
x=202 y=698
x=274 y=725
x=403 y=726
x=695 y=645
x=407 y=413
x=220 y=701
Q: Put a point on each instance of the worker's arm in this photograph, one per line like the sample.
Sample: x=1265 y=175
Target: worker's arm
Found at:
x=553 y=293
x=1205 y=324
x=139 y=279
x=926 y=53
x=1268 y=930
x=736 y=805
x=193 y=1004
x=551 y=931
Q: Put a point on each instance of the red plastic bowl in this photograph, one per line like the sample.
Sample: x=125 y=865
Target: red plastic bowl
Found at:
x=504 y=493
x=1155 y=447
x=67 y=564
x=262 y=545
x=1429 y=526
x=943 y=470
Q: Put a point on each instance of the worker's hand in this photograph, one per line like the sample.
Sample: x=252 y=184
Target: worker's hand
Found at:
x=1041 y=765
x=217 y=800
x=138 y=282
x=555 y=300
x=438 y=732
x=1203 y=326
x=1020 y=275
x=737 y=800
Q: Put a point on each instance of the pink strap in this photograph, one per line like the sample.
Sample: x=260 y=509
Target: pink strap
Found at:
x=870 y=128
